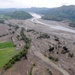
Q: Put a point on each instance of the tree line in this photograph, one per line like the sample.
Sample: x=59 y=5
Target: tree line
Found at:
x=23 y=53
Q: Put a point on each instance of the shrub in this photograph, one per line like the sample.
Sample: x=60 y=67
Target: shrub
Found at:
x=50 y=73
x=2 y=21
x=51 y=48
x=12 y=61
x=7 y=66
x=70 y=55
x=56 y=38
x=65 y=50
x=16 y=27
x=31 y=30
x=18 y=36
x=72 y=24
x=53 y=58
x=43 y=36
x=27 y=46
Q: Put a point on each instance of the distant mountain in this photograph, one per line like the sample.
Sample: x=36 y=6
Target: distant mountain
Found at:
x=60 y=13
x=36 y=10
x=19 y=13
x=32 y=9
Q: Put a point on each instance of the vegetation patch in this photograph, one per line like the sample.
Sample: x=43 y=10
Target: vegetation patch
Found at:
x=72 y=24
x=6 y=45
x=6 y=54
x=70 y=55
x=19 y=15
x=65 y=50
x=63 y=13
x=50 y=73
x=51 y=49
x=31 y=30
x=53 y=58
x=2 y=21
x=30 y=73
x=43 y=36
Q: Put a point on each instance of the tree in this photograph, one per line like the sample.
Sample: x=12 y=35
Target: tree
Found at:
x=51 y=48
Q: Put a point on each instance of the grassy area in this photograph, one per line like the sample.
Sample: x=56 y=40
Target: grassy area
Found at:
x=6 y=45
x=6 y=54
x=4 y=17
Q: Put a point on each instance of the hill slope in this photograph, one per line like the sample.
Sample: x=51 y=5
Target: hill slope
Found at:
x=17 y=14
x=60 y=13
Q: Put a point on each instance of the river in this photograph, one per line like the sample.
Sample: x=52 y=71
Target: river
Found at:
x=58 y=27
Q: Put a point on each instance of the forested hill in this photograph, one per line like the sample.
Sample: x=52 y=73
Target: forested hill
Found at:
x=60 y=13
x=17 y=14
x=66 y=13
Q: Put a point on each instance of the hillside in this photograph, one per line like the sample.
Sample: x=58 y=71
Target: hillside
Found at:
x=60 y=13
x=17 y=14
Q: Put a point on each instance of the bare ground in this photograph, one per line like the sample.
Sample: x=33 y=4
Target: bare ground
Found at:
x=65 y=65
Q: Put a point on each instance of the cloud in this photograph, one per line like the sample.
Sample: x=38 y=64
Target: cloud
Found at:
x=6 y=0
x=34 y=3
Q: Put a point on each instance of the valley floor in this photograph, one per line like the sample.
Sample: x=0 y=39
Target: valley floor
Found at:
x=38 y=53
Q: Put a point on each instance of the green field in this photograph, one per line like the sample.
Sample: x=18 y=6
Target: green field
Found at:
x=6 y=54
x=7 y=51
x=6 y=45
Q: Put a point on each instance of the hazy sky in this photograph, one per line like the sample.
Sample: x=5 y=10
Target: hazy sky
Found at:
x=34 y=3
